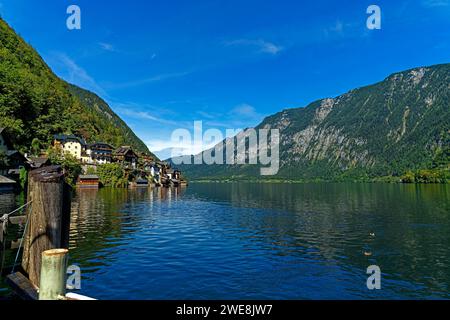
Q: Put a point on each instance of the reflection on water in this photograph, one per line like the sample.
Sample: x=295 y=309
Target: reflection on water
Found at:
x=231 y=241
x=258 y=241
x=99 y=225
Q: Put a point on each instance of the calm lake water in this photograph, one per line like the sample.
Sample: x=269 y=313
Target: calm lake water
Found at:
x=263 y=241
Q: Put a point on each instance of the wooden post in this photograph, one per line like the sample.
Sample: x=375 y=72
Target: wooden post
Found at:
x=53 y=274
x=49 y=220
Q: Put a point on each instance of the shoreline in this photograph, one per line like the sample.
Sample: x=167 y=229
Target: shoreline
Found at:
x=314 y=181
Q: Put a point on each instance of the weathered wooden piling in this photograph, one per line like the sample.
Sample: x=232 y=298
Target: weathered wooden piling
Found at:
x=49 y=219
x=53 y=274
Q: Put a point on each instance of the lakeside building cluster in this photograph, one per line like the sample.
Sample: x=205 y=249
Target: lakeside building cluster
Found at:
x=97 y=153
x=90 y=155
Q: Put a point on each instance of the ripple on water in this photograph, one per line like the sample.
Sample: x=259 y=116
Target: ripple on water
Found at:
x=269 y=241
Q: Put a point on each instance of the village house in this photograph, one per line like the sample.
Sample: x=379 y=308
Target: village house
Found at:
x=176 y=174
x=126 y=156
x=88 y=181
x=11 y=161
x=99 y=153
x=154 y=171
x=146 y=158
x=72 y=145
x=169 y=173
x=146 y=161
x=6 y=186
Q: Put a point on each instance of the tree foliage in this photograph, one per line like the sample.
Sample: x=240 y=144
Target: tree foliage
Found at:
x=112 y=175
x=70 y=165
x=23 y=178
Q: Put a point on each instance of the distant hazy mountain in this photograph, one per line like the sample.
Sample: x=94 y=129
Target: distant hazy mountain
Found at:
x=167 y=153
x=386 y=129
x=35 y=103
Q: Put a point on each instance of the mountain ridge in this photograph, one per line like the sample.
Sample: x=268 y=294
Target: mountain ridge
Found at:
x=384 y=129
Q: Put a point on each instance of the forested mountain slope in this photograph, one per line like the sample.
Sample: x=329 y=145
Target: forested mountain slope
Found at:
x=35 y=103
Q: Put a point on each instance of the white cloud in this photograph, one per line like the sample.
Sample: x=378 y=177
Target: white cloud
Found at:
x=107 y=46
x=207 y=115
x=141 y=82
x=245 y=110
x=168 y=153
x=241 y=116
x=436 y=3
x=338 y=29
x=157 y=145
x=166 y=148
x=262 y=45
x=124 y=110
x=70 y=71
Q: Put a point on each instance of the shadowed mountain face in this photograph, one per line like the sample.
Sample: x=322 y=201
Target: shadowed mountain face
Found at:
x=399 y=124
x=35 y=103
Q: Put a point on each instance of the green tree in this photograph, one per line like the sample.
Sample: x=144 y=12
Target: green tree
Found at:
x=408 y=177
x=35 y=147
x=91 y=170
x=23 y=178
x=112 y=175
x=70 y=165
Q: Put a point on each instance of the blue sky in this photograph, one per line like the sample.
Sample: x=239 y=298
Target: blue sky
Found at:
x=163 y=64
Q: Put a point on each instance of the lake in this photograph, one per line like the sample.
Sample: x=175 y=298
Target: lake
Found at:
x=262 y=241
